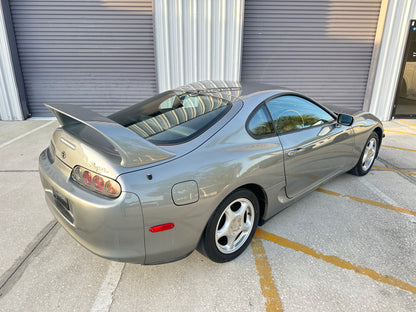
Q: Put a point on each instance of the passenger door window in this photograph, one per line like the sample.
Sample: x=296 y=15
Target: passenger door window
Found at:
x=291 y=112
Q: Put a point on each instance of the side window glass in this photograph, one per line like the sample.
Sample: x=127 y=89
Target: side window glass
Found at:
x=260 y=123
x=293 y=113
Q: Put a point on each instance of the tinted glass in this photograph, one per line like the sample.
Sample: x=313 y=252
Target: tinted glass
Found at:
x=293 y=113
x=345 y=119
x=260 y=123
x=172 y=117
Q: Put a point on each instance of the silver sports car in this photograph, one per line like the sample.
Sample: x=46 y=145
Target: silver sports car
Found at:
x=200 y=167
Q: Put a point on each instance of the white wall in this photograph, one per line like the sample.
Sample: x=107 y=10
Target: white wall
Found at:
x=10 y=108
x=393 y=45
x=197 y=40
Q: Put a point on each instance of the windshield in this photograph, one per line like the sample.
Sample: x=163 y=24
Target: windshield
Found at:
x=172 y=117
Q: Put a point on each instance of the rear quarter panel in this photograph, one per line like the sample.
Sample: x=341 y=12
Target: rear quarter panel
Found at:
x=229 y=160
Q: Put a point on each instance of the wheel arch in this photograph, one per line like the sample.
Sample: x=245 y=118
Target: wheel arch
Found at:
x=206 y=248
x=259 y=192
x=379 y=132
x=261 y=196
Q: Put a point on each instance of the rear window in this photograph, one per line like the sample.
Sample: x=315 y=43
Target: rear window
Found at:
x=172 y=117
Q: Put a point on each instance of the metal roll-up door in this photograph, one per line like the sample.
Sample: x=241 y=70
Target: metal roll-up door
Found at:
x=99 y=54
x=321 y=48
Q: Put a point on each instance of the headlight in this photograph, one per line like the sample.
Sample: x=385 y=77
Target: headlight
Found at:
x=96 y=182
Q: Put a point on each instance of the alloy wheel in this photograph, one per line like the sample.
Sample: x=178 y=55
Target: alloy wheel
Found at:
x=234 y=225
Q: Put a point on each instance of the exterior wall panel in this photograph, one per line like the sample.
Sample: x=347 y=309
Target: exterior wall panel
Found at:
x=99 y=54
x=321 y=48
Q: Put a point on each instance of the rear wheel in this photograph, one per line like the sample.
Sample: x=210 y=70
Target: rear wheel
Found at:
x=231 y=227
x=368 y=156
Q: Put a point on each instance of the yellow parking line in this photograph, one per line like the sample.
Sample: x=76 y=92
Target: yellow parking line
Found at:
x=394 y=170
x=400 y=148
x=369 y=202
x=385 y=130
x=268 y=288
x=409 y=123
x=386 y=279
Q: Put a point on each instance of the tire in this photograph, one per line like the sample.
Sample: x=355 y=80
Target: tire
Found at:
x=231 y=227
x=368 y=156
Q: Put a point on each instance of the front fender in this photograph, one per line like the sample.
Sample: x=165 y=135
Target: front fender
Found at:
x=364 y=124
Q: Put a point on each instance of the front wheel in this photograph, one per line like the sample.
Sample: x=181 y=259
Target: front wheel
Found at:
x=231 y=227
x=367 y=157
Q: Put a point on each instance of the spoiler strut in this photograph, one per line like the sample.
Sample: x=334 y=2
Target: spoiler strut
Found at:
x=133 y=149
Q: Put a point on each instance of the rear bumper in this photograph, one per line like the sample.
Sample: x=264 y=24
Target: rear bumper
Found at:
x=110 y=228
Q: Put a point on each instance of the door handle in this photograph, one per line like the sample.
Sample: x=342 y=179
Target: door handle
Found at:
x=294 y=152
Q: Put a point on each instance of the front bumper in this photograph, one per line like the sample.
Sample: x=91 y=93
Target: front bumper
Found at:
x=110 y=228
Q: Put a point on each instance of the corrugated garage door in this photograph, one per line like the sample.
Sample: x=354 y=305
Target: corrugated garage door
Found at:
x=322 y=48
x=98 y=54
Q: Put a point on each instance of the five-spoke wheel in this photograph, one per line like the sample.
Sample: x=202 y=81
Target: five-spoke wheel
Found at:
x=368 y=156
x=231 y=227
x=234 y=226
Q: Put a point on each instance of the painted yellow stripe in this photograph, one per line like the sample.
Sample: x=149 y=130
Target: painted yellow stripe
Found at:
x=400 y=148
x=394 y=170
x=268 y=288
x=386 y=279
x=402 y=132
x=369 y=202
x=409 y=123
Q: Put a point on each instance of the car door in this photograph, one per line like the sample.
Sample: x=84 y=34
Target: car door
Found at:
x=315 y=146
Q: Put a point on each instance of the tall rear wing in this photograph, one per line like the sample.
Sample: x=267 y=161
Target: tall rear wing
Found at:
x=133 y=149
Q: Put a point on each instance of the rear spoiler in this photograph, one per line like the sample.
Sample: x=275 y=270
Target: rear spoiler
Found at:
x=133 y=149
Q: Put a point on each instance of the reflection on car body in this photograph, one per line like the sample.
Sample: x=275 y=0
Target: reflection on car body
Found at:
x=196 y=167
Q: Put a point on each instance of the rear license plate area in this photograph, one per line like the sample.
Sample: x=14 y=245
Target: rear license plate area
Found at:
x=62 y=205
x=61 y=200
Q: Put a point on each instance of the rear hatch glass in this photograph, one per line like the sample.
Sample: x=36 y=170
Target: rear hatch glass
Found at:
x=172 y=117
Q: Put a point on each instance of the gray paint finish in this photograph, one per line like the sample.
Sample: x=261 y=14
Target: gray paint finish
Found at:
x=320 y=48
x=223 y=159
x=332 y=153
x=90 y=53
x=133 y=150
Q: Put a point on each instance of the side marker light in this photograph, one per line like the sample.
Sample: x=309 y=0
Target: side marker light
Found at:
x=162 y=227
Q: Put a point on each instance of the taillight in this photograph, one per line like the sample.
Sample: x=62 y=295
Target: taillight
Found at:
x=87 y=177
x=96 y=182
x=112 y=187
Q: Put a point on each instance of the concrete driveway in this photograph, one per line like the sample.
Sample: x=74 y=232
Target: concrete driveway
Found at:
x=349 y=246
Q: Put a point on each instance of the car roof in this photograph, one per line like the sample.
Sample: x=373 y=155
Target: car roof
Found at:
x=232 y=91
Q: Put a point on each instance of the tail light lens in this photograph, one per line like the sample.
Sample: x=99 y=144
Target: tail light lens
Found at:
x=96 y=182
x=87 y=177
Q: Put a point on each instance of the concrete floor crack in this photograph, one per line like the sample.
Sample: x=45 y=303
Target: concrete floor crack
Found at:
x=386 y=163
x=12 y=275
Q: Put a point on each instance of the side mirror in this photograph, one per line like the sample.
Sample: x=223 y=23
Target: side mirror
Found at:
x=345 y=120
